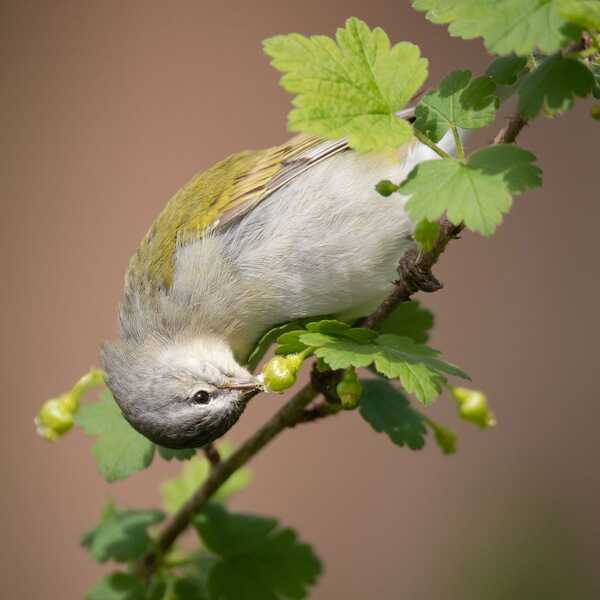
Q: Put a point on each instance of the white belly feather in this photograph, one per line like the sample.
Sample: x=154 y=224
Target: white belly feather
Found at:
x=327 y=243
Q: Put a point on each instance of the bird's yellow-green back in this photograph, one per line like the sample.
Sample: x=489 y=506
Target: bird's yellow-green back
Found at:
x=210 y=199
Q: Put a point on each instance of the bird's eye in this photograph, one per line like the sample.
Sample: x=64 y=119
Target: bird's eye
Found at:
x=201 y=397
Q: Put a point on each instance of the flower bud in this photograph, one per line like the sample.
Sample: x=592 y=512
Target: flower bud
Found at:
x=386 y=188
x=445 y=439
x=54 y=419
x=473 y=407
x=279 y=373
x=349 y=389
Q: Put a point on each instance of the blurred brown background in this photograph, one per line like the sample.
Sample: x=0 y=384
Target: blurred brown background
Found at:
x=109 y=107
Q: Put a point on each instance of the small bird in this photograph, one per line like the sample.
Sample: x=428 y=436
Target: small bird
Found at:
x=260 y=238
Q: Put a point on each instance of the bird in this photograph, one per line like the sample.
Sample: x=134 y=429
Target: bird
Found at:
x=259 y=239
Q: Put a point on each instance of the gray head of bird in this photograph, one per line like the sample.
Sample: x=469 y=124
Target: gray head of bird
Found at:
x=179 y=393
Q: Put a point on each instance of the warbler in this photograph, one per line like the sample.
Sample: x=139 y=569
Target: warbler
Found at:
x=260 y=238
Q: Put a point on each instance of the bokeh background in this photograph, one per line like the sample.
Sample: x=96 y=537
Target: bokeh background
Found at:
x=109 y=107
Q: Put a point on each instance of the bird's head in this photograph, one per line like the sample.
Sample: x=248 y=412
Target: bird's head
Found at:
x=178 y=393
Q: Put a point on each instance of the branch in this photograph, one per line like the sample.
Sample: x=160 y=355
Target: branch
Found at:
x=414 y=275
x=415 y=266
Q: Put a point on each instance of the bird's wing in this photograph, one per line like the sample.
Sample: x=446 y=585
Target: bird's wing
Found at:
x=215 y=198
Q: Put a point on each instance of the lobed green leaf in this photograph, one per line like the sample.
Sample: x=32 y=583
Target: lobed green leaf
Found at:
x=119 y=449
x=351 y=88
x=477 y=193
x=506 y=26
x=121 y=535
x=258 y=559
x=553 y=85
x=387 y=410
x=460 y=102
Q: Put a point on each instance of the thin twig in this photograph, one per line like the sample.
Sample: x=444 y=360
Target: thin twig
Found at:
x=212 y=454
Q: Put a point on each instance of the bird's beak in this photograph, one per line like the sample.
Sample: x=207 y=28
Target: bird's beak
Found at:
x=247 y=385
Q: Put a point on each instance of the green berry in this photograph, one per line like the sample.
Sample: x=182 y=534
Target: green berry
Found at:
x=446 y=439
x=279 y=374
x=386 y=188
x=473 y=407
x=349 y=389
x=55 y=417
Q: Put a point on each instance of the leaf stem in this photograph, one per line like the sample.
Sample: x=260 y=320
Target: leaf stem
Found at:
x=425 y=140
x=460 y=150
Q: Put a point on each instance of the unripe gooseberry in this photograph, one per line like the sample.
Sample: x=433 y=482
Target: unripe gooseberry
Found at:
x=55 y=417
x=445 y=439
x=349 y=389
x=473 y=407
x=279 y=374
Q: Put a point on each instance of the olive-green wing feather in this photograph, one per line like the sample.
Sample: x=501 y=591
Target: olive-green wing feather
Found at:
x=214 y=198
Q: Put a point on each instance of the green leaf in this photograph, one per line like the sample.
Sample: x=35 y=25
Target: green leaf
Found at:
x=350 y=88
x=258 y=559
x=506 y=26
x=505 y=70
x=459 y=101
x=175 y=492
x=585 y=13
x=340 y=346
x=169 y=454
x=358 y=334
x=554 y=85
x=119 y=449
x=387 y=410
x=121 y=534
x=426 y=234
x=118 y=586
x=477 y=193
x=189 y=588
x=409 y=319
x=417 y=366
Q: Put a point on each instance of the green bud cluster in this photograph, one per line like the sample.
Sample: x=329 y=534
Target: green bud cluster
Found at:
x=473 y=407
